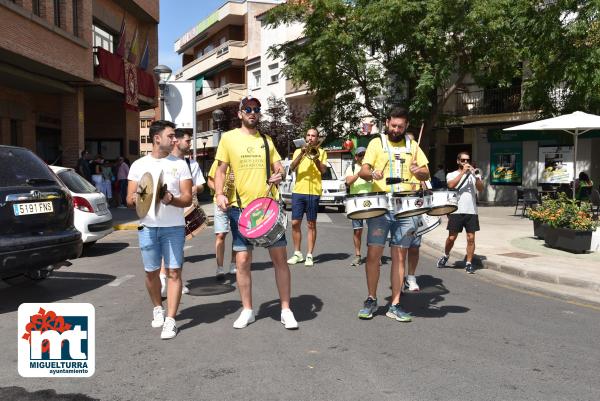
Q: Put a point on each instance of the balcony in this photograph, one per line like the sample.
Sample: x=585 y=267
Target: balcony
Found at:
x=487 y=101
x=292 y=90
x=230 y=93
x=231 y=51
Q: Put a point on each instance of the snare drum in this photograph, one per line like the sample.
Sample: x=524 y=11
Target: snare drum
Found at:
x=195 y=221
x=263 y=222
x=408 y=204
x=445 y=201
x=427 y=223
x=365 y=206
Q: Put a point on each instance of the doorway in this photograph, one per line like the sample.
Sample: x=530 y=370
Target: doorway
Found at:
x=451 y=153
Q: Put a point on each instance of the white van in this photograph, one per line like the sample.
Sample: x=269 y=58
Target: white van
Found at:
x=334 y=188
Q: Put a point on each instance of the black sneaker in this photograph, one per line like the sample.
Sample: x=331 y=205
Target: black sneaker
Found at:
x=442 y=262
x=470 y=269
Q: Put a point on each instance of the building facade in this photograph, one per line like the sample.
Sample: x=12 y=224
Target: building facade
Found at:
x=63 y=88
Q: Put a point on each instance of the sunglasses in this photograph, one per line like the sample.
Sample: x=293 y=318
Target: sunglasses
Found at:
x=360 y=154
x=249 y=110
x=465 y=160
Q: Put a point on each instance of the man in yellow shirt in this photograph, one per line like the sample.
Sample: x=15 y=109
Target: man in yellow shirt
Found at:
x=306 y=195
x=243 y=151
x=391 y=155
x=221 y=222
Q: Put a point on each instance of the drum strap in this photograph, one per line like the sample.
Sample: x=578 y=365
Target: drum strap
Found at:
x=267 y=163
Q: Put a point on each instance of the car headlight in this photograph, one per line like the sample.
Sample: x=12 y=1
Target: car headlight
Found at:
x=342 y=187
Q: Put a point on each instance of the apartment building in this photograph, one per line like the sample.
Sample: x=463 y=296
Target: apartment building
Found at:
x=62 y=87
x=214 y=54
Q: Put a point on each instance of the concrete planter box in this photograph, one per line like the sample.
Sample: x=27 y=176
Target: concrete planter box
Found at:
x=539 y=229
x=568 y=239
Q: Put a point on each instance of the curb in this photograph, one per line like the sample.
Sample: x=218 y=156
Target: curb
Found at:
x=134 y=226
x=516 y=271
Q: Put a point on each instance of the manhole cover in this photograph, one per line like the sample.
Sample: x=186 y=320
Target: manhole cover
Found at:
x=518 y=255
x=210 y=289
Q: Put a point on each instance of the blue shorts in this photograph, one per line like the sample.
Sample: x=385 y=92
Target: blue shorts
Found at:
x=302 y=203
x=220 y=220
x=240 y=243
x=161 y=243
x=358 y=224
x=402 y=231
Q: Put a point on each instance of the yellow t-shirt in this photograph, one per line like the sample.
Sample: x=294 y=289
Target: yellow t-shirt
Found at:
x=231 y=193
x=308 y=176
x=245 y=155
x=379 y=159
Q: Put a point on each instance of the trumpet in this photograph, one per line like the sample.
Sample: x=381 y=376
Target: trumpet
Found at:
x=312 y=151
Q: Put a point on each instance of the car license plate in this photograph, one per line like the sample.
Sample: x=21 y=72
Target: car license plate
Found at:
x=327 y=198
x=101 y=207
x=33 y=208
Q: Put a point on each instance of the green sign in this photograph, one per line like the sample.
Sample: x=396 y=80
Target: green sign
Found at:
x=506 y=163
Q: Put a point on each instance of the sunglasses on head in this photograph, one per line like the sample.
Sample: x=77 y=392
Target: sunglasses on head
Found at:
x=249 y=110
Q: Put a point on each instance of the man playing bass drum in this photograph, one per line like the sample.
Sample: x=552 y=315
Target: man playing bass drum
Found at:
x=243 y=150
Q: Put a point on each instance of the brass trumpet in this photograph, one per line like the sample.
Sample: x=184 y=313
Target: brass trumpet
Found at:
x=312 y=151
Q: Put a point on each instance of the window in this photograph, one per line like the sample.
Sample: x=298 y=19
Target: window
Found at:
x=274 y=73
x=255 y=79
x=142 y=123
x=102 y=38
x=36 y=7
x=58 y=9
x=76 y=6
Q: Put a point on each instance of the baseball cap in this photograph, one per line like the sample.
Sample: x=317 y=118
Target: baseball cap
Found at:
x=360 y=149
x=247 y=99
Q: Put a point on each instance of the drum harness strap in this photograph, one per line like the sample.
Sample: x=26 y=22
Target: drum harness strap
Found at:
x=392 y=156
x=268 y=165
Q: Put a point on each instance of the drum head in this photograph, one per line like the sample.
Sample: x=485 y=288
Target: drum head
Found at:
x=442 y=210
x=259 y=217
x=411 y=213
x=366 y=214
x=144 y=195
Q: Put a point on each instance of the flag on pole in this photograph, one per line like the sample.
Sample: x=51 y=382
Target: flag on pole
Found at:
x=145 y=55
x=121 y=46
x=133 y=48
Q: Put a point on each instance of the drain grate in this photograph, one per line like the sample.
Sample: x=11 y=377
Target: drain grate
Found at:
x=518 y=255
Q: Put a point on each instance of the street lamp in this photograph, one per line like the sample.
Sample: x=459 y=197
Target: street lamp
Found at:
x=204 y=140
x=380 y=99
x=218 y=116
x=162 y=74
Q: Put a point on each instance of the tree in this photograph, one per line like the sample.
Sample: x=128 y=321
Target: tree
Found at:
x=282 y=124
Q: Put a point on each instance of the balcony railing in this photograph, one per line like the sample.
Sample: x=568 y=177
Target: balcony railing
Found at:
x=217 y=97
x=488 y=101
x=231 y=49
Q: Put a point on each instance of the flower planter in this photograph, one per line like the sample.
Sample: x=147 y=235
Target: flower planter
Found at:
x=568 y=239
x=539 y=229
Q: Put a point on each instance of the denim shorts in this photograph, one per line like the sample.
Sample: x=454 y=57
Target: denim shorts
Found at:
x=221 y=221
x=161 y=243
x=358 y=224
x=402 y=231
x=240 y=243
x=302 y=203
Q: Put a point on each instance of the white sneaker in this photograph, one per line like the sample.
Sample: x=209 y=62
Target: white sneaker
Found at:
x=232 y=268
x=169 y=329
x=288 y=320
x=184 y=289
x=411 y=281
x=158 y=317
x=163 y=285
x=296 y=258
x=220 y=273
x=246 y=317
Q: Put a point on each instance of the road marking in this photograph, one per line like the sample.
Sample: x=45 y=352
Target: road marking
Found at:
x=120 y=280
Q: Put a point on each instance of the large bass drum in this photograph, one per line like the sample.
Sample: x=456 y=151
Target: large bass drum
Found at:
x=263 y=222
x=365 y=206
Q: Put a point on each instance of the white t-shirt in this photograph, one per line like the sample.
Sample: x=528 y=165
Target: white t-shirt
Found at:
x=197 y=176
x=174 y=171
x=467 y=194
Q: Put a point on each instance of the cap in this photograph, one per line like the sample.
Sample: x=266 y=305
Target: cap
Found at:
x=360 y=149
x=247 y=99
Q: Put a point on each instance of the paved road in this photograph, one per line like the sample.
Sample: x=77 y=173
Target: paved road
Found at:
x=471 y=338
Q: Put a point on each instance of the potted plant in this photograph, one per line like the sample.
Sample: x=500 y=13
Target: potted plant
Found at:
x=569 y=225
x=538 y=215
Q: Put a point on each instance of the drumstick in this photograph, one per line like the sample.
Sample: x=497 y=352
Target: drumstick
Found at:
x=420 y=134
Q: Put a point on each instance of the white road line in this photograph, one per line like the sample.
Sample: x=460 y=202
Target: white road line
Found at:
x=120 y=280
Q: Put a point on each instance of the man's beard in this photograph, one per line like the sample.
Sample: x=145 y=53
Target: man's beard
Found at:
x=249 y=124
x=395 y=137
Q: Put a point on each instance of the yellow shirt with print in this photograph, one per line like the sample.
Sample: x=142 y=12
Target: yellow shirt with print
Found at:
x=245 y=154
x=231 y=193
x=308 y=176
x=379 y=159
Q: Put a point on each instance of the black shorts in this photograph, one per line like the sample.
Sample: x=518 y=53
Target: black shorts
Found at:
x=456 y=222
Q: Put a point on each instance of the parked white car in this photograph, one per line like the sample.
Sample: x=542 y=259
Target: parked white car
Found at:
x=92 y=217
x=334 y=188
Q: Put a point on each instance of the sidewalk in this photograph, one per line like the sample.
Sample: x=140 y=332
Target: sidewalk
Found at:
x=505 y=244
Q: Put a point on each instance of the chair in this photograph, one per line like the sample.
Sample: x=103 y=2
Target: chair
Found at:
x=519 y=199
x=595 y=203
x=530 y=198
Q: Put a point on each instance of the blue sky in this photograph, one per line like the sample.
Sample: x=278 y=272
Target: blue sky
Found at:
x=176 y=18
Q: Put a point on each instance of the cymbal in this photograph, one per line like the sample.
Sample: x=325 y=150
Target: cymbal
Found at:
x=161 y=189
x=145 y=194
